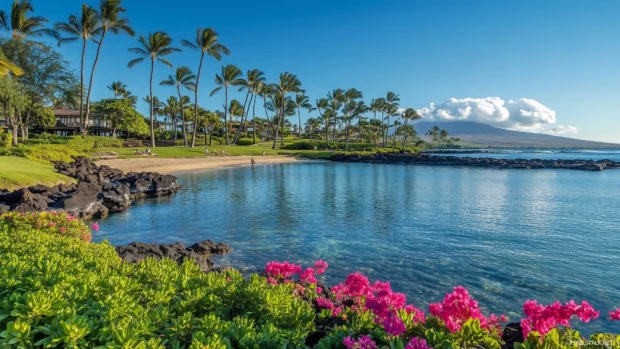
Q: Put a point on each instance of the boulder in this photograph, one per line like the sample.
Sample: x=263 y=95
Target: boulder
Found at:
x=19 y=196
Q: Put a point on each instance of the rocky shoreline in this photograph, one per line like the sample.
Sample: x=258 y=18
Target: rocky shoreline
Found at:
x=100 y=190
x=199 y=252
x=438 y=160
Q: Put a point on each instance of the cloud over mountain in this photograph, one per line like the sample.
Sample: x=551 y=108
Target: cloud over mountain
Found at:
x=523 y=114
x=561 y=130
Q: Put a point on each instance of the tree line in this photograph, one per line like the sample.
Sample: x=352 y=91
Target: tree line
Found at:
x=342 y=115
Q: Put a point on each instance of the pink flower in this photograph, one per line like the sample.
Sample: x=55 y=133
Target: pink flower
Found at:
x=282 y=270
x=63 y=229
x=393 y=325
x=320 y=266
x=308 y=276
x=96 y=226
x=458 y=307
x=319 y=290
x=364 y=342
x=418 y=315
x=544 y=318
x=272 y=281
x=52 y=224
x=418 y=343
x=615 y=314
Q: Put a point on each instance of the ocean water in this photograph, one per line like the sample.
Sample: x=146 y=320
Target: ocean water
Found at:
x=506 y=235
x=545 y=154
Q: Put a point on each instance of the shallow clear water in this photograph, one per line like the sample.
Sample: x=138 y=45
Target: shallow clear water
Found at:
x=506 y=235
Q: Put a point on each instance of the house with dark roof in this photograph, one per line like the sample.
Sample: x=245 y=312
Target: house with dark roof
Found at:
x=68 y=124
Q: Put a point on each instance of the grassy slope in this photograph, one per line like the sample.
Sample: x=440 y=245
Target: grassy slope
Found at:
x=16 y=172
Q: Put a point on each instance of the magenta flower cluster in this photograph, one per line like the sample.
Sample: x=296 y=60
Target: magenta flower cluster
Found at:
x=418 y=343
x=284 y=271
x=364 y=342
x=544 y=318
x=614 y=314
x=458 y=307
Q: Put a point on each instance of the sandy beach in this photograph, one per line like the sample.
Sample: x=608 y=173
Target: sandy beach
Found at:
x=174 y=165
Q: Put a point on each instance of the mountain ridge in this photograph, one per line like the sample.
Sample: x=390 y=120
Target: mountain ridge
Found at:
x=478 y=134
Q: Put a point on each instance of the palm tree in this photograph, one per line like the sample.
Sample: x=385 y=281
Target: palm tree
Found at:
x=265 y=90
x=21 y=24
x=409 y=114
x=110 y=19
x=207 y=43
x=288 y=83
x=156 y=47
x=301 y=101
x=335 y=102
x=183 y=78
x=320 y=105
x=235 y=109
x=171 y=109
x=118 y=88
x=129 y=97
x=255 y=77
x=86 y=27
x=230 y=76
x=390 y=107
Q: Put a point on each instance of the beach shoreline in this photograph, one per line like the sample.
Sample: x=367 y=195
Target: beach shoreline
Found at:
x=182 y=165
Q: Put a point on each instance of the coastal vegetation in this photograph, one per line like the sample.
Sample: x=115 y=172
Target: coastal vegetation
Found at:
x=17 y=172
x=61 y=290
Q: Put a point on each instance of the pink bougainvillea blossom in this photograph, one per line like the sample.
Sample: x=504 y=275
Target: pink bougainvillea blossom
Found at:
x=282 y=270
x=544 y=318
x=96 y=226
x=364 y=342
x=308 y=276
x=320 y=266
x=418 y=343
x=458 y=307
x=615 y=314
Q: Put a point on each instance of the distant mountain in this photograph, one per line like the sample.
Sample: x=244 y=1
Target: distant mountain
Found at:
x=476 y=134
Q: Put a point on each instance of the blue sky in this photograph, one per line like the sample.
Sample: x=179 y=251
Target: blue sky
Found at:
x=563 y=54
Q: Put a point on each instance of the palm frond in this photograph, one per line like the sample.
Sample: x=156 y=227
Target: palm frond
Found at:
x=134 y=62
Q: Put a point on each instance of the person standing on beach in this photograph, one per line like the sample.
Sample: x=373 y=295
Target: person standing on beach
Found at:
x=252 y=161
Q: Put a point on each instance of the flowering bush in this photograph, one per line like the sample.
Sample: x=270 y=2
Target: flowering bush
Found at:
x=58 y=290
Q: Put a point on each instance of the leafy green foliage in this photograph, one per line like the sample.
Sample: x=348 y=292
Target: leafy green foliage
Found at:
x=6 y=138
x=245 y=141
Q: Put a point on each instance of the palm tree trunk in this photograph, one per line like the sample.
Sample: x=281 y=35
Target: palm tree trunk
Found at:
x=84 y=123
x=254 y=121
x=282 y=125
x=334 y=133
x=196 y=102
x=275 y=138
x=174 y=127
x=225 y=116
x=92 y=76
x=151 y=103
x=267 y=116
x=242 y=118
x=245 y=129
x=299 y=126
x=182 y=117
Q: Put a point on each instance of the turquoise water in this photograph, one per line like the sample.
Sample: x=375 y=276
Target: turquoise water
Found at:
x=545 y=154
x=506 y=235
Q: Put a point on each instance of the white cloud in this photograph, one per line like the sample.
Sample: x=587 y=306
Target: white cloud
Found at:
x=561 y=130
x=523 y=114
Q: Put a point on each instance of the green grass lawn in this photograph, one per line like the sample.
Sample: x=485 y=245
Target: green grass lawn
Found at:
x=17 y=172
x=182 y=152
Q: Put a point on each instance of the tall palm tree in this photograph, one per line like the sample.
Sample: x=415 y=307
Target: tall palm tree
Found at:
x=254 y=78
x=265 y=90
x=320 y=105
x=288 y=83
x=129 y=97
x=208 y=44
x=230 y=76
x=183 y=78
x=390 y=107
x=110 y=19
x=118 y=88
x=21 y=24
x=409 y=114
x=156 y=47
x=335 y=101
x=302 y=101
x=84 y=27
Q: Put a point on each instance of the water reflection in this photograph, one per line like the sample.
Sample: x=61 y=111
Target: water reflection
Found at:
x=506 y=235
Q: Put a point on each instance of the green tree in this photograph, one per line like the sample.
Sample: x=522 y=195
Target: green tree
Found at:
x=288 y=83
x=207 y=41
x=118 y=88
x=335 y=101
x=110 y=19
x=21 y=24
x=255 y=77
x=409 y=114
x=157 y=46
x=230 y=76
x=122 y=115
x=171 y=110
x=43 y=118
x=390 y=107
x=84 y=27
x=301 y=101
x=12 y=104
x=182 y=78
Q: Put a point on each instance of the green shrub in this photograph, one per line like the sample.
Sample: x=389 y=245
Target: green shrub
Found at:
x=60 y=291
x=107 y=142
x=45 y=153
x=219 y=140
x=81 y=144
x=6 y=139
x=245 y=141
